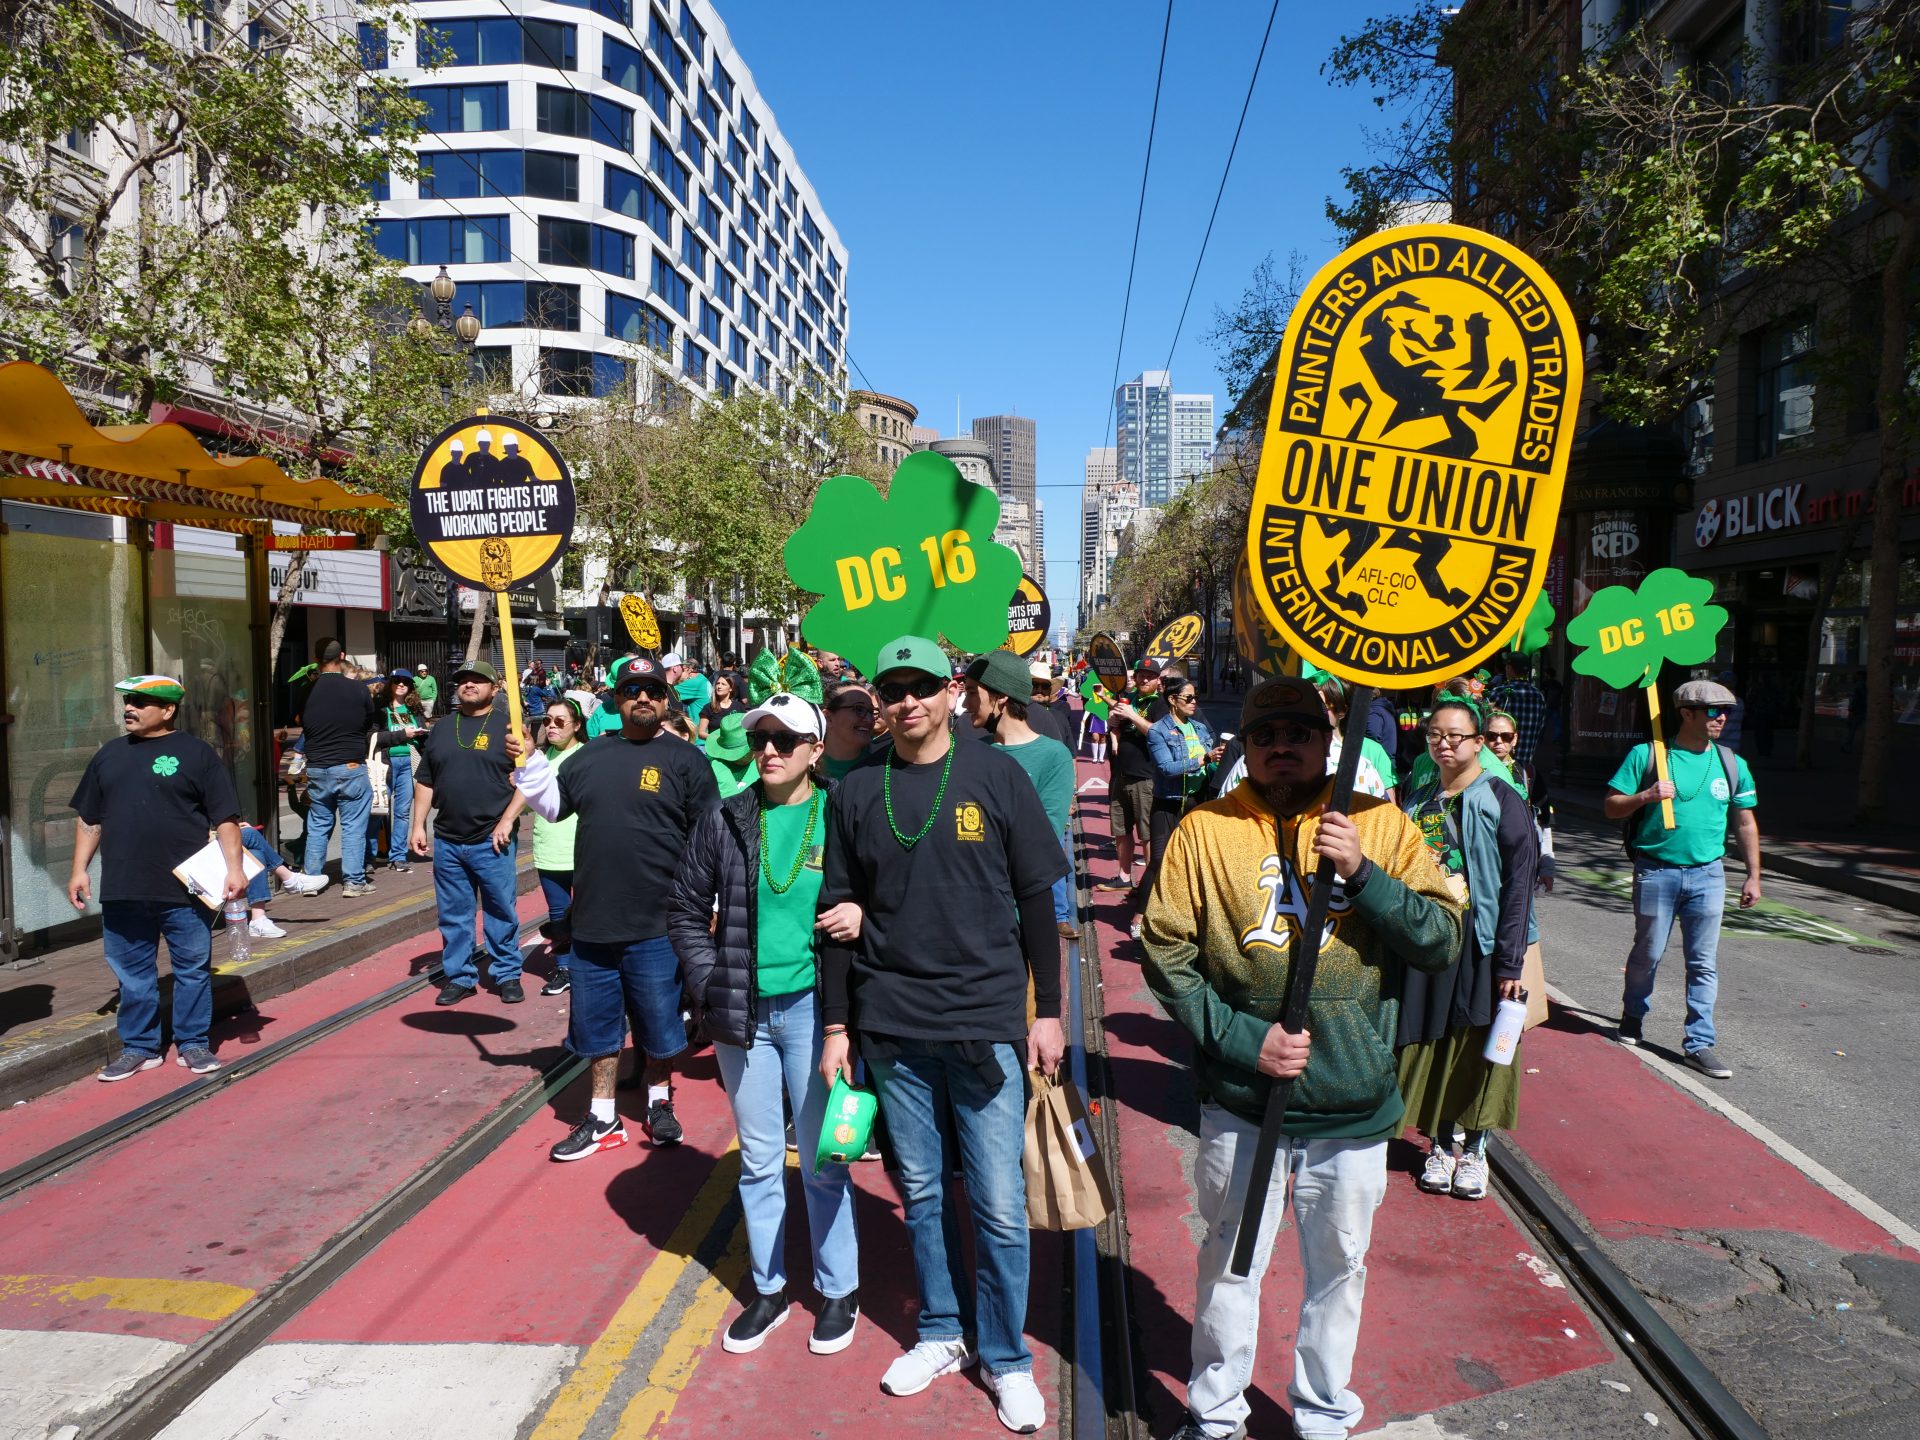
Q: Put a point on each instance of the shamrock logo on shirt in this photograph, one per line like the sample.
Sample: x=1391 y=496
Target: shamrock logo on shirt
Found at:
x=165 y=764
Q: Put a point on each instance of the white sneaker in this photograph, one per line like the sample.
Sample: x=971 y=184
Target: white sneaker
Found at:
x=1437 y=1178
x=926 y=1363
x=1018 y=1403
x=264 y=929
x=1470 y=1176
x=307 y=884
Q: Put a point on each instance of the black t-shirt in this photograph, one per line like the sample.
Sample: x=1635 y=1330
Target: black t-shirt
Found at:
x=1131 y=758
x=637 y=802
x=1046 y=721
x=465 y=760
x=154 y=801
x=336 y=720
x=940 y=956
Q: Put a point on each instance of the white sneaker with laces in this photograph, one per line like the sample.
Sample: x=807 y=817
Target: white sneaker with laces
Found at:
x=307 y=884
x=1017 y=1401
x=1437 y=1178
x=1470 y=1176
x=264 y=929
x=925 y=1363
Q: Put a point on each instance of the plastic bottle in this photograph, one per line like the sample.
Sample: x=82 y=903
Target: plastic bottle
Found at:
x=237 y=936
x=1504 y=1034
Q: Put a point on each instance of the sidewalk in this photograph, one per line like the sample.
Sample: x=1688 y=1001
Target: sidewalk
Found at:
x=57 y=1009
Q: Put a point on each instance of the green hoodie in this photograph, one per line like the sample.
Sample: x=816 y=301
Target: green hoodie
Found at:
x=1218 y=934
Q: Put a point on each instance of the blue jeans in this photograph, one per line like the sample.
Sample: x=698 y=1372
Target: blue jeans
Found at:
x=556 y=888
x=259 y=892
x=1063 y=887
x=460 y=873
x=130 y=930
x=1695 y=895
x=785 y=1058
x=343 y=791
x=399 y=814
x=923 y=1088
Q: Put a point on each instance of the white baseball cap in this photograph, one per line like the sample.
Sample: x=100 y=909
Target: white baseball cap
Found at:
x=670 y=659
x=799 y=715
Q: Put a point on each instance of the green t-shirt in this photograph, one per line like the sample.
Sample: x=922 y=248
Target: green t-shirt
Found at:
x=398 y=717
x=840 y=769
x=1700 y=803
x=732 y=779
x=785 y=938
x=1191 y=782
x=1049 y=764
x=553 y=839
x=605 y=720
x=696 y=693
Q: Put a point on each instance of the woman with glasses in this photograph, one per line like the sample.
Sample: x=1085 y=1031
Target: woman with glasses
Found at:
x=1184 y=753
x=850 y=721
x=1503 y=733
x=1480 y=833
x=745 y=921
x=553 y=842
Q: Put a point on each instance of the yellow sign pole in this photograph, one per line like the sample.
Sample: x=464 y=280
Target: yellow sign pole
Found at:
x=512 y=678
x=1659 y=751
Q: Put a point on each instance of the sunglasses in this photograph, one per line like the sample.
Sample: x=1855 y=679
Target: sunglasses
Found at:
x=1270 y=732
x=892 y=692
x=559 y=719
x=852 y=708
x=1500 y=737
x=144 y=701
x=1191 y=698
x=784 y=741
x=634 y=689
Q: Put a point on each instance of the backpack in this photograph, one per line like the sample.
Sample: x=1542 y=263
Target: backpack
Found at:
x=1728 y=763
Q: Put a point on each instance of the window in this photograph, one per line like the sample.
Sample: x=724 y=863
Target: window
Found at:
x=619 y=11
x=668 y=167
x=708 y=112
x=630 y=70
x=833 y=266
x=723 y=381
x=504 y=42
x=1696 y=432
x=550 y=43
x=737 y=156
x=710 y=326
x=567 y=112
x=722 y=187
x=464 y=174
x=691 y=32
x=453 y=109
x=1783 y=390
x=692 y=145
x=443 y=240
x=67 y=246
x=613 y=251
x=723 y=82
x=692 y=253
x=552 y=176
x=497 y=304
x=780 y=307
x=638 y=199
x=373 y=46
x=577 y=372
x=810 y=232
x=1811 y=28
x=737 y=349
x=723 y=286
x=660 y=42
x=565 y=242
x=750 y=223
x=381 y=189
x=760 y=194
x=750 y=128
x=710 y=217
x=737 y=253
x=553 y=307
x=750 y=313
x=762 y=371
x=761 y=281
x=638 y=323
x=670 y=285
x=693 y=362
x=496 y=365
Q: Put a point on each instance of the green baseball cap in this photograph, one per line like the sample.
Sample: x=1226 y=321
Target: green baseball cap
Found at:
x=847 y=1125
x=1004 y=673
x=164 y=688
x=912 y=652
x=479 y=669
x=729 y=743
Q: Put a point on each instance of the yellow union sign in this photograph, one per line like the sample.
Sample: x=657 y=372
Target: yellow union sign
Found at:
x=1415 y=455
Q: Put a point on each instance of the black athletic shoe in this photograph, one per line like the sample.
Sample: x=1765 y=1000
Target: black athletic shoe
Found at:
x=752 y=1325
x=833 y=1331
x=1628 y=1031
x=662 y=1125
x=511 y=992
x=590 y=1137
x=453 y=994
x=558 y=983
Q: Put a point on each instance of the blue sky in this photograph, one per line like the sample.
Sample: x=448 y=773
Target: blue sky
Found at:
x=981 y=160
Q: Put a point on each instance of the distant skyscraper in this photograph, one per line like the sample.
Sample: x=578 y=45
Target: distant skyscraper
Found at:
x=1040 y=542
x=1012 y=438
x=1163 y=441
x=1101 y=473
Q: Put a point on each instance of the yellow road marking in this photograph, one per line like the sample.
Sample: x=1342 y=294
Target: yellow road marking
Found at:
x=586 y=1388
x=195 y=1299
x=647 y=1413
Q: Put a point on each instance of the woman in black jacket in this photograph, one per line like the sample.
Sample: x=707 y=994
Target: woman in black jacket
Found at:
x=743 y=921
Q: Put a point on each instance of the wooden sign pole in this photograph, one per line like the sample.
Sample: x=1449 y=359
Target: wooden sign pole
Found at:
x=1659 y=750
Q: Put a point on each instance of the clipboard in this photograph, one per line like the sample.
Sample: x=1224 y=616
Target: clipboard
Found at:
x=204 y=872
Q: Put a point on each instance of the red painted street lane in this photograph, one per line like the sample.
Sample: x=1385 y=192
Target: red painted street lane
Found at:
x=236 y=1191
x=1453 y=1311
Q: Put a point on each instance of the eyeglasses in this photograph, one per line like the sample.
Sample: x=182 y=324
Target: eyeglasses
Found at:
x=782 y=740
x=1270 y=732
x=1500 y=737
x=1447 y=739
x=559 y=719
x=634 y=689
x=851 y=709
x=892 y=692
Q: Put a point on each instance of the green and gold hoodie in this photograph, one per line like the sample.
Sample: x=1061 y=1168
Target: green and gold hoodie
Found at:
x=1218 y=934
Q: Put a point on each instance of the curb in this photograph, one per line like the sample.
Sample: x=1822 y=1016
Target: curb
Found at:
x=74 y=1053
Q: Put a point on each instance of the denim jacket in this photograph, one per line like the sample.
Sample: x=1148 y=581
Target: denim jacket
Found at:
x=1171 y=765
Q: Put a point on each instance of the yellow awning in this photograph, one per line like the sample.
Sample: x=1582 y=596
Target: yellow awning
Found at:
x=40 y=421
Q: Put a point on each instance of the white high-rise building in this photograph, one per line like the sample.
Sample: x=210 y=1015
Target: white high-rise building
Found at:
x=599 y=184
x=1040 y=541
x=1100 y=472
x=1163 y=441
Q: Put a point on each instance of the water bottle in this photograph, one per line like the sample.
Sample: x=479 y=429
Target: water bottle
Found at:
x=237 y=936
x=1504 y=1034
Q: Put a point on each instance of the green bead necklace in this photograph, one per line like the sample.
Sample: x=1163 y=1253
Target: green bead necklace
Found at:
x=800 y=856
x=461 y=740
x=886 y=793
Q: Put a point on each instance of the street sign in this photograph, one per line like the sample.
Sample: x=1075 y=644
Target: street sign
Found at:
x=492 y=503
x=315 y=542
x=1415 y=455
x=1179 y=638
x=1028 y=615
x=1108 y=662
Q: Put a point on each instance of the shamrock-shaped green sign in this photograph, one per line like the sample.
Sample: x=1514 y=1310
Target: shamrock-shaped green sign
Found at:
x=920 y=561
x=1099 y=701
x=1629 y=634
x=165 y=764
x=1531 y=637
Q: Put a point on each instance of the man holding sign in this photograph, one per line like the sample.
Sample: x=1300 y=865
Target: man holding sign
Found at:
x=1678 y=874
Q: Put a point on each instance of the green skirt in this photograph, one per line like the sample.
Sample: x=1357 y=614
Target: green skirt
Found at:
x=1448 y=1082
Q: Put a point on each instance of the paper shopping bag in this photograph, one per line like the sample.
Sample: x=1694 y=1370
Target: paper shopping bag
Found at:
x=1067 y=1184
x=1533 y=975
